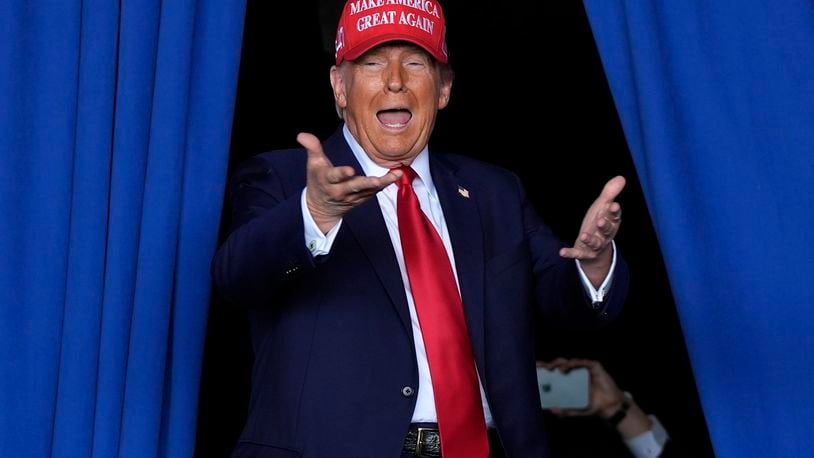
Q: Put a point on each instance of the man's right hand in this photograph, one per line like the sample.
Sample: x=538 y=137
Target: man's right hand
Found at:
x=331 y=191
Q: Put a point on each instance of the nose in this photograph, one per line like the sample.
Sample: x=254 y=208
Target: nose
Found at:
x=394 y=79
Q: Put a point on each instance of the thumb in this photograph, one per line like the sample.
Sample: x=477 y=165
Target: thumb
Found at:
x=612 y=188
x=313 y=146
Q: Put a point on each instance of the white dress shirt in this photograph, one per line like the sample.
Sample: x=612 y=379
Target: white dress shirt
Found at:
x=320 y=244
x=650 y=443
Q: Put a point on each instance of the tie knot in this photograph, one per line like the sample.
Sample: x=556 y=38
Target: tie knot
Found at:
x=407 y=177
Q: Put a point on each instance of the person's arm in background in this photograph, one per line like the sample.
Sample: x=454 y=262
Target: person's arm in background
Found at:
x=643 y=434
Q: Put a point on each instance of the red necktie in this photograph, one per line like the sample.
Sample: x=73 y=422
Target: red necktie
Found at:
x=441 y=316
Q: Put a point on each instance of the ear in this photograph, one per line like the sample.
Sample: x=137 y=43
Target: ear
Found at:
x=443 y=96
x=338 y=85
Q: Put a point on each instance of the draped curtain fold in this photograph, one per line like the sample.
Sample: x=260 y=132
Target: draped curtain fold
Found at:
x=717 y=104
x=115 y=121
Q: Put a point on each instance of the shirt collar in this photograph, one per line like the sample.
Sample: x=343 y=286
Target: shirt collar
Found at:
x=421 y=163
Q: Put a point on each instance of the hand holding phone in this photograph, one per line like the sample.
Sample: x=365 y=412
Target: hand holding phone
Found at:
x=564 y=390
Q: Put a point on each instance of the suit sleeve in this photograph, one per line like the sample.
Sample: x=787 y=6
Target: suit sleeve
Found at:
x=264 y=250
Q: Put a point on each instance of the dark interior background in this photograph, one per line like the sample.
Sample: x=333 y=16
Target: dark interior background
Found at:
x=530 y=94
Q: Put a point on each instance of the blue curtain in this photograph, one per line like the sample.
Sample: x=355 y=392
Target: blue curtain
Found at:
x=115 y=120
x=717 y=103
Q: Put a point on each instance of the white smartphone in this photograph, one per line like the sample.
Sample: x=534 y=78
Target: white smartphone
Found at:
x=560 y=390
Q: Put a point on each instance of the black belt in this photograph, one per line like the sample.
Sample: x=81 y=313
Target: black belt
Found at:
x=425 y=442
x=422 y=442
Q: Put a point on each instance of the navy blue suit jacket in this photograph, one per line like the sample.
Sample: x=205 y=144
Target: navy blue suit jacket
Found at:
x=332 y=336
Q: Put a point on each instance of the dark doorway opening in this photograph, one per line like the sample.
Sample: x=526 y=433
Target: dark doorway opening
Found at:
x=529 y=90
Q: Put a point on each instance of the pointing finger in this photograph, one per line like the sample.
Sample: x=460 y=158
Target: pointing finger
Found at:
x=388 y=178
x=372 y=184
x=614 y=212
x=339 y=174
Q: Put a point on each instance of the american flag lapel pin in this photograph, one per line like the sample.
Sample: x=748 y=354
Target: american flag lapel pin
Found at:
x=463 y=192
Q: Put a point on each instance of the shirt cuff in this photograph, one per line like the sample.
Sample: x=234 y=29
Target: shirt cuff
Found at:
x=648 y=444
x=598 y=295
x=318 y=243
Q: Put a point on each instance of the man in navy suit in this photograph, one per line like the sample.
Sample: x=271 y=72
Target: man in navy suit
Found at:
x=341 y=368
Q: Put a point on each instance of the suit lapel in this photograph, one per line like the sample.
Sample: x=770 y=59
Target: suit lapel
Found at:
x=463 y=222
x=367 y=225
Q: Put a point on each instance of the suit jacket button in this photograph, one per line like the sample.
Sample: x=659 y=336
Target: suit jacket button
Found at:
x=407 y=391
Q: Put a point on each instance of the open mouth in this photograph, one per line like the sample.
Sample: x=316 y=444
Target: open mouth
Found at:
x=395 y=118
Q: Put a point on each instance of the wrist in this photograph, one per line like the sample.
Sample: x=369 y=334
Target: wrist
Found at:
x=603 y=258
x=323 y=220
x=612 y=405
x=617 y=412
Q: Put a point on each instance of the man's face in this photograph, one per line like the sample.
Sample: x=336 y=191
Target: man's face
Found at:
x=390 y=96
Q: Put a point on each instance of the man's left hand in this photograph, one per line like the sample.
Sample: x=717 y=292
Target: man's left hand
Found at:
x=599 y=227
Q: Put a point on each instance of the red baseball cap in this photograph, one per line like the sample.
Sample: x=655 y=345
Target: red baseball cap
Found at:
x=367 y=23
